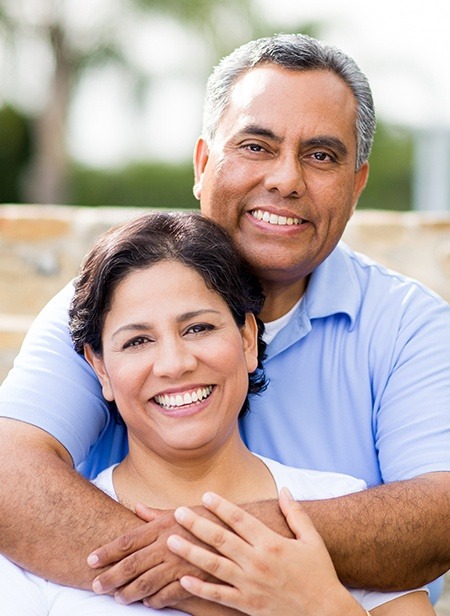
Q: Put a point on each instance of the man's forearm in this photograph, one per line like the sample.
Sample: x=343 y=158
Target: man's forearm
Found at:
x=51 y=518
x=392 y=537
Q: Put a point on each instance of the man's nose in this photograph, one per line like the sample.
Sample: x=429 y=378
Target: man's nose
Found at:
x=286 y=176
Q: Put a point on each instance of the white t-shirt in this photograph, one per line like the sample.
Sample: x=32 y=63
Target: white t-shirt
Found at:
x=271 y=328
x=25 y=594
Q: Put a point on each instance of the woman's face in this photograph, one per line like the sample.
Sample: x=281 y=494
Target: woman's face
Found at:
x=174 y=360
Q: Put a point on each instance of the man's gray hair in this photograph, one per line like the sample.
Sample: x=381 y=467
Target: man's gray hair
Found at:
x=295 y=52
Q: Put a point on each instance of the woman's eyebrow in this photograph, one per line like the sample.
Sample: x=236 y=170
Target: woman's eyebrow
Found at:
x=132 y=327
x=195 y=313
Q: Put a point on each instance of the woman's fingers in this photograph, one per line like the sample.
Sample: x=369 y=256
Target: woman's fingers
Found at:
x=220 y=567
x=242 y=523
x=298 y=520
x=209 y=532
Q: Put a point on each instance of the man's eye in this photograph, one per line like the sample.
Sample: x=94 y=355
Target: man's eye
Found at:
x=254 y=147
x=321 y=156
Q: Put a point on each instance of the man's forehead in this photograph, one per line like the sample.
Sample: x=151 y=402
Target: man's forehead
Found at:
x=269 y=92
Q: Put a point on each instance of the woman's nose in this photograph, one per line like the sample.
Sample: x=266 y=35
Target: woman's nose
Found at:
x=174 y=358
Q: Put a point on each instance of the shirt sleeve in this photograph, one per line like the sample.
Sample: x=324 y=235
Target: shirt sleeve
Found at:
x=53 y=387
x=412 y=405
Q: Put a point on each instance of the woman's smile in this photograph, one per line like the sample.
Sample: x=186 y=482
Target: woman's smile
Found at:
x=183 y=403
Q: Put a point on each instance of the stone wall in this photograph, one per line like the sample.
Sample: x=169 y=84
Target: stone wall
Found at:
x=41 y=248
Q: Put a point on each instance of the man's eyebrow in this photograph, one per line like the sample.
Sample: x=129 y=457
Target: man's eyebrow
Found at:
x=326 y=141
x=258 y=131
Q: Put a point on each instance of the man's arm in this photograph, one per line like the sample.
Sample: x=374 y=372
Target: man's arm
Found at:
x=51 y=517
x=390 y=537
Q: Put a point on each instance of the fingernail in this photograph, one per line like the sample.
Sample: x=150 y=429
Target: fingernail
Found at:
x=92 y=560
x=97 y=587
x=180 y=514
x=287 y=493
x=185 y=582
x=119 y=599
x=173 y=542
x=207 y=498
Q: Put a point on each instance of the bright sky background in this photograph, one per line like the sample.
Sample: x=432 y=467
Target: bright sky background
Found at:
x=402 y=46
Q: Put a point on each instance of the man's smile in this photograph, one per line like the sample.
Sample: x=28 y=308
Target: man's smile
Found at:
x=275 y=219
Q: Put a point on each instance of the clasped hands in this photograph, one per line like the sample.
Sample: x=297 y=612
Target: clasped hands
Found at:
x=251 y=569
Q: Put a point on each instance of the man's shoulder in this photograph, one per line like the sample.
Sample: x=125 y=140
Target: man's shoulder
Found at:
x=372 y=274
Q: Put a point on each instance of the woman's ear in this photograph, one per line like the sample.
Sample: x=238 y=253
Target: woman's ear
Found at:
x=98 y=365
x=201 y=155
x=250 y=342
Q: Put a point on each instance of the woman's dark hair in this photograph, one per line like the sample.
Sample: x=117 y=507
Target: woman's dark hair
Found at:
x=186 y=238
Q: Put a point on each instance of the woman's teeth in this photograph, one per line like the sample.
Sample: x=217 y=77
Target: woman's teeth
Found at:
x=174 y=400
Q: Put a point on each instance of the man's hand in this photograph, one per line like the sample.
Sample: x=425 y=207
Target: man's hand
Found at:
x=140 y=565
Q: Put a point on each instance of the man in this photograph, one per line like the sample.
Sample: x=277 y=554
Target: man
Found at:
x=358 y=361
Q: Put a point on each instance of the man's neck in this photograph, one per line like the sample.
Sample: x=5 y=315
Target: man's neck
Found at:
x=281 y=298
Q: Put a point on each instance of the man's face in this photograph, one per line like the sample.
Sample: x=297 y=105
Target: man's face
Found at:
x=280 y=173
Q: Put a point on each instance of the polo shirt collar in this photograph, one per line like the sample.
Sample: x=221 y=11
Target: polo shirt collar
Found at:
x=332 y=289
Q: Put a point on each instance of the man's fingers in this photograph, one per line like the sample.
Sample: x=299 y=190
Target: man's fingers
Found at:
x=169 y=596
x=147 y=513
x=147 y=587
x=121 y=547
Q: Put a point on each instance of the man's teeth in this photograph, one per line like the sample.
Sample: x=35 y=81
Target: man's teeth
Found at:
x=170 y=401
x=274 y=219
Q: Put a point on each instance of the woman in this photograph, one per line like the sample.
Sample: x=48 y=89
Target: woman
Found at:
x=165 y=312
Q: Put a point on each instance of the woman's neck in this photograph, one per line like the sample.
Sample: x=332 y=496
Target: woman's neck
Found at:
x=233 y=471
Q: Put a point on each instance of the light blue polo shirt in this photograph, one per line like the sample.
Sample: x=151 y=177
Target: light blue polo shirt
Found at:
x=359 y=377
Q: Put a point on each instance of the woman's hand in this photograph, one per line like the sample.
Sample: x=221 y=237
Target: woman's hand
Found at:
x=264 y=574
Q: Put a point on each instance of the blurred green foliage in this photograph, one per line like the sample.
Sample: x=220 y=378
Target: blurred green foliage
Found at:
x=15 y=151
x=140 y=185
x=391 y=171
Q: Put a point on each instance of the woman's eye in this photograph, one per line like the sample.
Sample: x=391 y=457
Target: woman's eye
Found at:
x=199 y=328
x=135 y=342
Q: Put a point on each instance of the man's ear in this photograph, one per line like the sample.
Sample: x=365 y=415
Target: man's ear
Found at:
x=250 y=342
x=201 y=155
x=361 y=177
x=98 y=366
